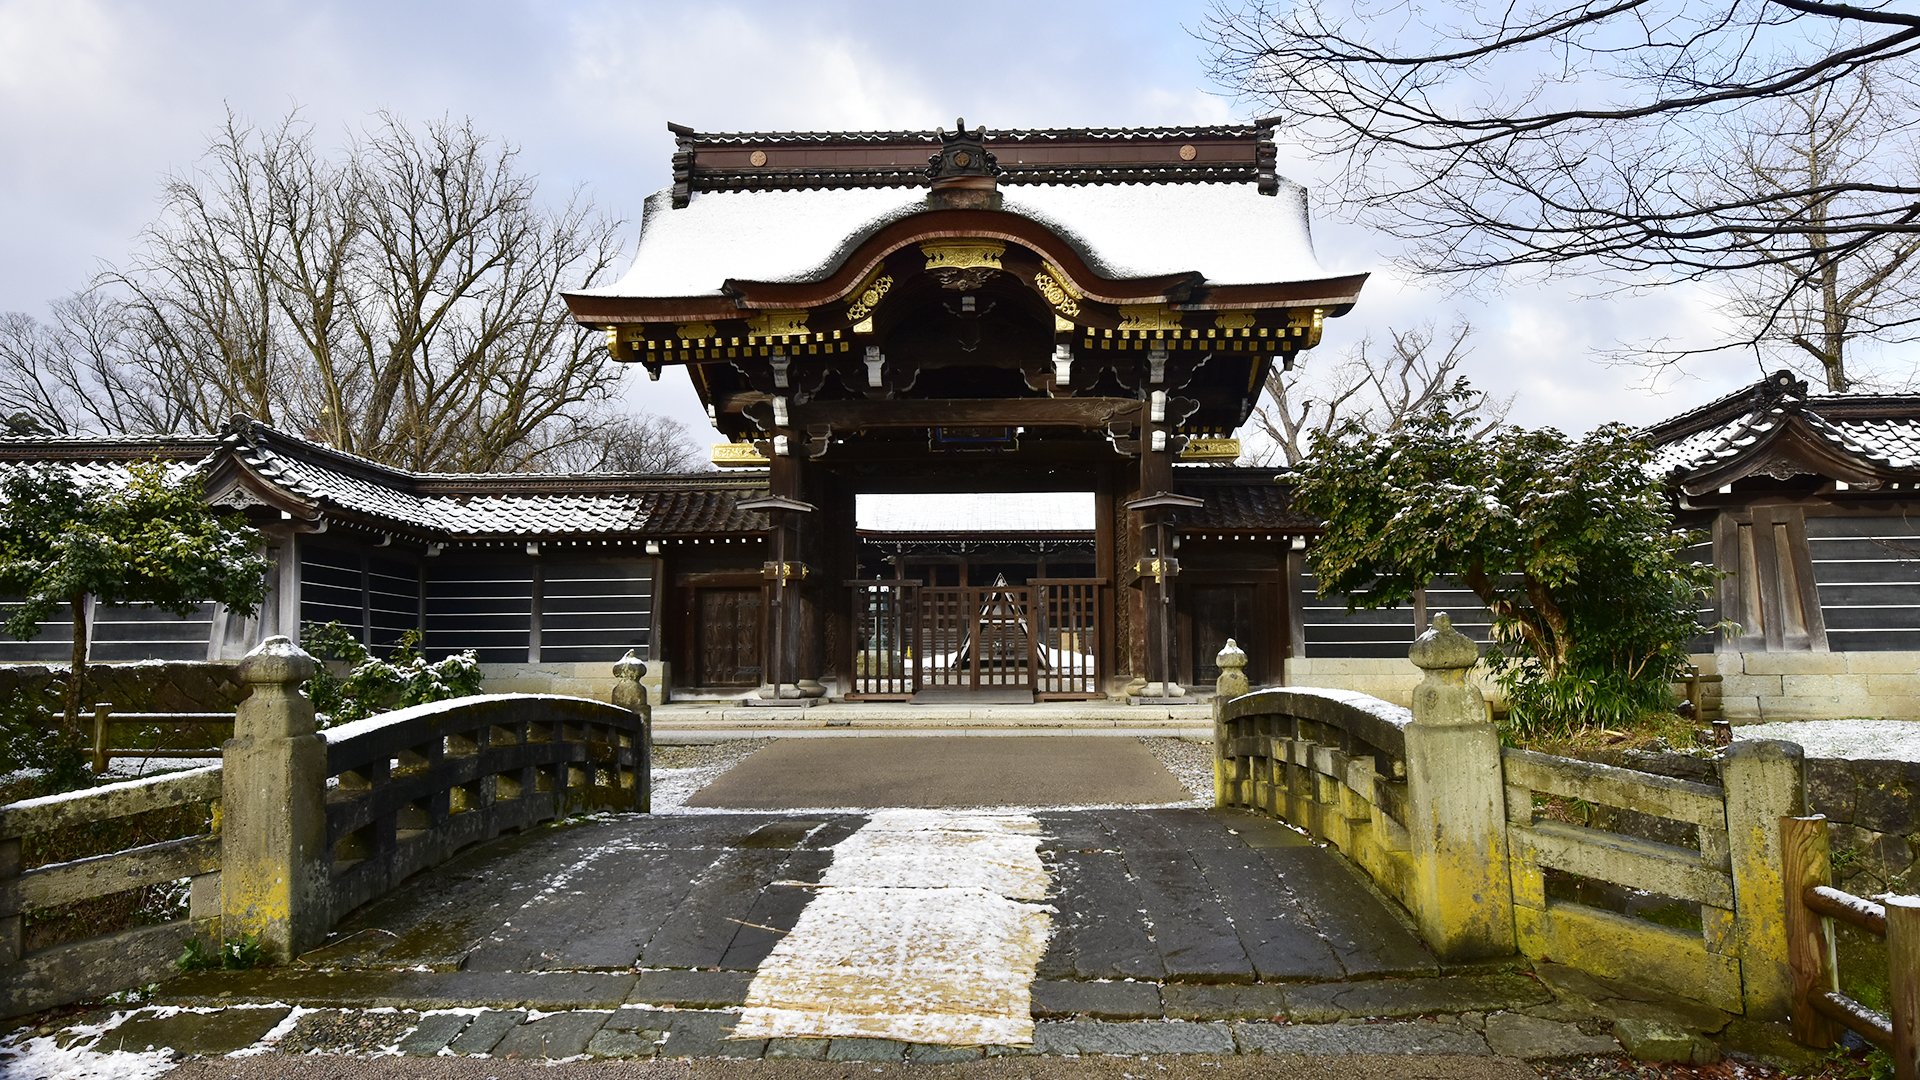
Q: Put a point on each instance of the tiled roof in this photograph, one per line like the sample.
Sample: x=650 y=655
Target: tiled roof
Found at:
x=1873 y=433
x=814 y=160
x=430 y=505
x=1240 y=500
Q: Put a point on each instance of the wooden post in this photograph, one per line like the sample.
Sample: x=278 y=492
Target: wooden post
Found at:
x=1810 y=960
x=101 y=711
x=1903 y=989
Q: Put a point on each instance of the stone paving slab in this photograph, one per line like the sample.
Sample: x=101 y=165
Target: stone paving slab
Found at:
x=1407 y=1037
x=548 y=992
x=485 y=1031
x=691 y=989
x=1511 y=1034
x=188 y=1033
x=556 y=1035
x=1165 y=1037
x=1326 y=1002
x=1097 y=1000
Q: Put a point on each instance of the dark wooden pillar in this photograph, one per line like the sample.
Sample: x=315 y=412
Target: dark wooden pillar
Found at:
x=1108 y=526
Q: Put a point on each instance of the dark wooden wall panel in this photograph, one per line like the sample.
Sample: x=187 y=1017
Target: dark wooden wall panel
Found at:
x=1867 y=571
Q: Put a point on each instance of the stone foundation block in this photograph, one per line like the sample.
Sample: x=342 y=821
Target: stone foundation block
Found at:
x=1794 y=663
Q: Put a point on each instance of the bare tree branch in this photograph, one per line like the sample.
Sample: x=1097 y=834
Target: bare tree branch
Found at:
x=1418 y=372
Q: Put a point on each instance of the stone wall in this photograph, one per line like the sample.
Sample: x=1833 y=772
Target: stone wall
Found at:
x=146 y=686
x=1873 y=821
x=1758 y=687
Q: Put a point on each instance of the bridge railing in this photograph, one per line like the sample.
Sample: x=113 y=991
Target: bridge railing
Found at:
x=1668 y=882
x=305 y=825
x=408 y=789
x=1332 y=762
x=103 y=963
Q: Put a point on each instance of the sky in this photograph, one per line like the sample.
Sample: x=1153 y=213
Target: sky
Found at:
x=101 y=99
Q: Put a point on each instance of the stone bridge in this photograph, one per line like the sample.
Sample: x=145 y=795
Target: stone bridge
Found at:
x=876 y=932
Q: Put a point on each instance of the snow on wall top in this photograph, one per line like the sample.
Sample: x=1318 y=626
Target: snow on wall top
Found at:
x=1229 y=232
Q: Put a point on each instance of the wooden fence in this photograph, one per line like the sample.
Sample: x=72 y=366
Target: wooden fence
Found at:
x=1820 y=1010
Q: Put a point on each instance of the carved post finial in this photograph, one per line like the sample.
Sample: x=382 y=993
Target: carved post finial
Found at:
x=628 y=691
x=1443 y=649
x=276 y=708
x=1233 y=671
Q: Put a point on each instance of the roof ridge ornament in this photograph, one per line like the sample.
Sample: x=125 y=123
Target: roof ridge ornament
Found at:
x=963 y=171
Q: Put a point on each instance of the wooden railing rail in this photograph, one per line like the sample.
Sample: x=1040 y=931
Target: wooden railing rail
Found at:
x=105 y=718
x=1820 y=1010
x=410 y=788
x=99 y=965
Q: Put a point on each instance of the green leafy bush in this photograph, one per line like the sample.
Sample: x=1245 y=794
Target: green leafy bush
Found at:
x=32 y=740
x=372 y=685
x=1568 y=542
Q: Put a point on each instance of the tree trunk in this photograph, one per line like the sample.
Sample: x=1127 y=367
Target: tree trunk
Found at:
x=76 y=680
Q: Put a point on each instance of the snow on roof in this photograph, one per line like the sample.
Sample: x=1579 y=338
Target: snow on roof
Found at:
x=1227 y=231
x=977 y=512
x=1732 y=426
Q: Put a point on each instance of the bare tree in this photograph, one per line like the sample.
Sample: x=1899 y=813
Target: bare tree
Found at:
x=399 y=300
x=637 y=443
x=1808 y=312
x=1418 y=372
x=1496 y=138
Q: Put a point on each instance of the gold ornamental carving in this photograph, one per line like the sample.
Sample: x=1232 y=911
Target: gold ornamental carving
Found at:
x=1211 y=449
x=1057 y=292
x=869 y=297
x=963 y=265
x=1149 y=317
x=1234 y=320
x=963 y=254
x=732 y=455
x=778 y=324
x=694 y=330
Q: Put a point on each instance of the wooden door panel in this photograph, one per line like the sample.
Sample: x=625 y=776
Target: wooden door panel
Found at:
x=727 y=637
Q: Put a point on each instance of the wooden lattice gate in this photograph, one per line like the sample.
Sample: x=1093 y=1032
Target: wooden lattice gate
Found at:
x=1043 y=636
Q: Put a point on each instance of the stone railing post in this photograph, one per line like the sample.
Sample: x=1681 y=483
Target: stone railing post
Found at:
x=1231 y=684
x=1456 y=812
x=1764 y=783
x=274 y=863
x=631 y=694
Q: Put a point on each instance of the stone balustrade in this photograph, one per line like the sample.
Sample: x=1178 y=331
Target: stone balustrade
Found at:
x=1671 y=883
x=308 y=825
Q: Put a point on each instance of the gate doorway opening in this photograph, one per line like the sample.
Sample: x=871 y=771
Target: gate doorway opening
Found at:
x=977 y=597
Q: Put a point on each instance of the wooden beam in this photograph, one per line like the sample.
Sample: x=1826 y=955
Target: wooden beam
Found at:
x=1089 y=413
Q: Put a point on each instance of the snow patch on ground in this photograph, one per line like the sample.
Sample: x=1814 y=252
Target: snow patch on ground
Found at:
x=1854 y=740
x=919 y=932
x=43 y=1059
